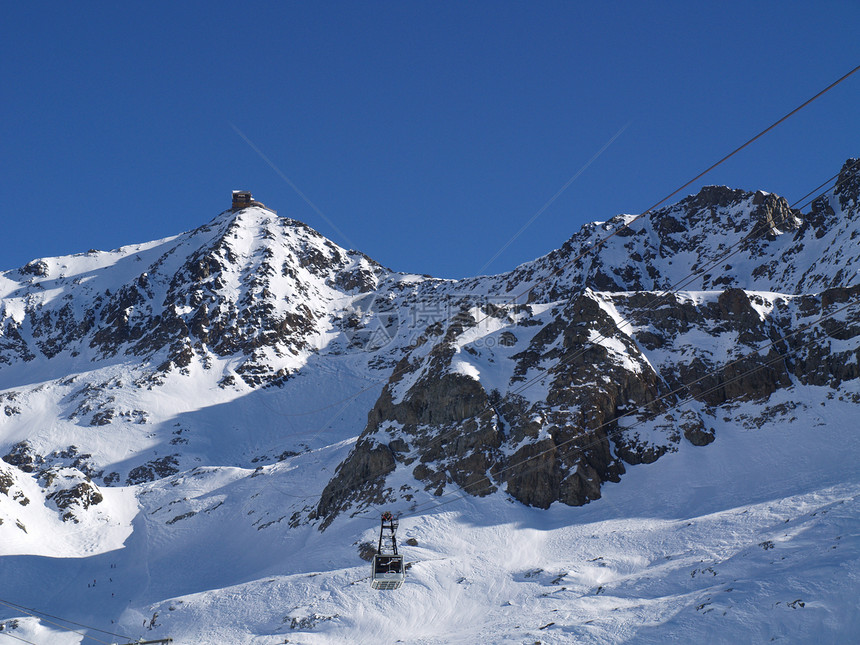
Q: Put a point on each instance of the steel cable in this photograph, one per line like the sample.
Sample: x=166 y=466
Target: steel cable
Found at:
x=709 y=264
x=33 y=612
x=603 y=240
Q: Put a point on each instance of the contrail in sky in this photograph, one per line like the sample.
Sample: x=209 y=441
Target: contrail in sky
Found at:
x=553 y=198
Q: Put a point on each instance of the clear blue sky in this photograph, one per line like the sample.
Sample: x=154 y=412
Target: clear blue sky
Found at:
x=427 y=132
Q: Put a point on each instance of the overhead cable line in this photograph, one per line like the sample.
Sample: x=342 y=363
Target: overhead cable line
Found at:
x=42 y=613
x=553 y=198
x=821 y=185
x=602 y=241
x=95 y=629
x=765 y=227
x=835 y=186
x=34 y=613
x=23 y=640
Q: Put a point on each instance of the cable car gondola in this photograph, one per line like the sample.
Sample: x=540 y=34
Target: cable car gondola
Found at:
x=387 y=566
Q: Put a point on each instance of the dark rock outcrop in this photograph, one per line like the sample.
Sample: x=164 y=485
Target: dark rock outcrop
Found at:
x=541 y=383
x=154 y=469
x=610 y=382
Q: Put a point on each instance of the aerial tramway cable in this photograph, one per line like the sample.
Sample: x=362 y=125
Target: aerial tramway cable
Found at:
x=603 y=240
x=709 y=264
x=23 y=640
x=822 y=185
x=39 y=615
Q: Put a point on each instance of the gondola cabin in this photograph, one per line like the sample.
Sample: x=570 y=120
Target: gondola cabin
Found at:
x=387 y=570
x=388 y=573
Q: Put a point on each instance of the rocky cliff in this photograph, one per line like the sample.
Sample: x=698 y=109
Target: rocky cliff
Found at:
x=547 y=395
x=133 y=365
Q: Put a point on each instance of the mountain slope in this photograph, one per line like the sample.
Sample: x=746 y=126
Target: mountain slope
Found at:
x=527 y=398
x=212 y=422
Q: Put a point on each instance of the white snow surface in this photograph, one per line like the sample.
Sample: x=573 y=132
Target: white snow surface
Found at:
x=754 y=538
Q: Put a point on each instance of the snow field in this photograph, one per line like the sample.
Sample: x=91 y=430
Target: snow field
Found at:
x=765 y=544
x=751 y=539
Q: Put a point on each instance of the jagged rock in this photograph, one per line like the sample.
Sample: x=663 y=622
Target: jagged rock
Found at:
x=361 y=477
x=8 y=399
x=23 y=457
x=366 y=551
x=152 y=470
x=695 y=430
x=6 y=482
x=71 y=491
x=36 y=268
x=103 y=417
x=772 y=216
x=183 y=516
x=848 y=184
x=542 y=397
x=542 y=473
x=84 y=495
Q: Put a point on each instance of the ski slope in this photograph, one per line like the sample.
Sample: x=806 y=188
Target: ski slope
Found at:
x=761 y=544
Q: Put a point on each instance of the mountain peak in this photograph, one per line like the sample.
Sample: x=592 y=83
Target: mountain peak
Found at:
x=848 y=183
x=722 y=196
x=233 y=389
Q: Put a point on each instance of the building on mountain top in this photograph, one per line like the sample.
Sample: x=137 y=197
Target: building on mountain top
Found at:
x=244 y=198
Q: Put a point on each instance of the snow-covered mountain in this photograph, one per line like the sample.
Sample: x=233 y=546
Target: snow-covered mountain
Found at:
x=647 y=434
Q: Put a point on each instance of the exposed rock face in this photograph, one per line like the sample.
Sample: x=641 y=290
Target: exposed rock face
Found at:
x=541 y=383
x=23 y=456
x=82 y=495
x=10 y=488
x=608 y=368
x=155 y=469
x=218 y=291
x=599 y=389
x=70 y=491
x=369 y=464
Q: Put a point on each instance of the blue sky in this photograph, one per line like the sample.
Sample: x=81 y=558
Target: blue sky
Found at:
x=428 y=133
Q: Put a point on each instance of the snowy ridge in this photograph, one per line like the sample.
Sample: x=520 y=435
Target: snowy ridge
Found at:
x=198 y=434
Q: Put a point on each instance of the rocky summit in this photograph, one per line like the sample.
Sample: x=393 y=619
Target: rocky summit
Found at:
x=253 y=374
x=545 y=381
